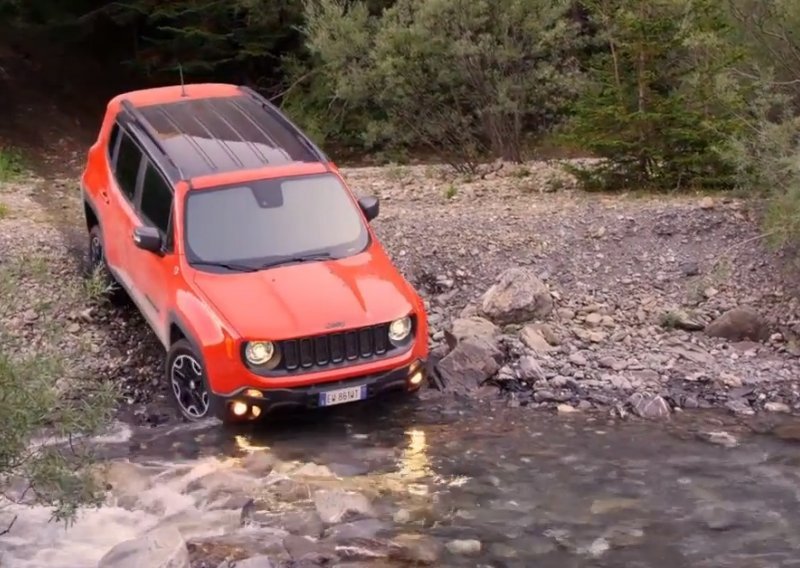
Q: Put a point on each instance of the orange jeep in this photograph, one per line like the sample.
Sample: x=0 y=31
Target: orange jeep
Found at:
x=248 y=255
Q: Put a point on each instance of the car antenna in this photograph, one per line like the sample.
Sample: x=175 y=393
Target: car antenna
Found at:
x=183 y=85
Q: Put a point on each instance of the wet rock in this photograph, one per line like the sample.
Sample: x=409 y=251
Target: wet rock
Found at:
x=739 y=324
x=777 y=407
x=189 y=523
x=289 y=490
x=472 y=362
x=623 y=536
x=255 y=562
x=161 y=548
x=304 y=549
x=416 y=549
x=243 y=543
x=719 y=438
x=790 y=431
x=740 y=407
x=719 y=517
x=518 y=296
x=467 y=547
x=502 y=550
x=595 y=549
x=362 y=529
x=613 y=504
x=302 y=523
x=649 y=406
x=337 y=506
x=566 y=409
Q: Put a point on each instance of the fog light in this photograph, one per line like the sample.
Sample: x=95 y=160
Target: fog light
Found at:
x=253 y=393
x=239 y=408
x=416 y=378
x=256 y=410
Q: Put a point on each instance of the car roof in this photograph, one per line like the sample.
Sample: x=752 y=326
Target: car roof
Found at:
x=205 y=130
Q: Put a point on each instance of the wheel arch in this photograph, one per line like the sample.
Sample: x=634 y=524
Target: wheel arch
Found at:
x=90 y=214
x=179 y=329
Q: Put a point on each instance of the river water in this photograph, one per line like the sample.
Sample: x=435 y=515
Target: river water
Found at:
x=477 y=485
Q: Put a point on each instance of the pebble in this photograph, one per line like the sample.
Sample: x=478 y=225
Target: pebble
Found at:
x=777 y=407
x=468 y=547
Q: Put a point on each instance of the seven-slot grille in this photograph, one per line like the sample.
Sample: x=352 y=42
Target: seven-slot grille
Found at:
x=335 y=348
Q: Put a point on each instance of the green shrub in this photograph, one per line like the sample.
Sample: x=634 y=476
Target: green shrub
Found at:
x=11 y=164
x=466 y=79
x=48 y=408
x=660 y=99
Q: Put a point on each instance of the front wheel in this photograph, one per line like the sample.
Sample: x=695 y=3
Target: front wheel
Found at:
x=187 y=382
x=188 y=385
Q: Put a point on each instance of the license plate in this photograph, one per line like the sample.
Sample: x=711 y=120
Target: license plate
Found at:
x=341 y=396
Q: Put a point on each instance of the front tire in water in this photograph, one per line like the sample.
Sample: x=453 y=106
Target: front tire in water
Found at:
x=187 y=383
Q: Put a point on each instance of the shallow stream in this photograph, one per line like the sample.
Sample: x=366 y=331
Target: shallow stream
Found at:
x=468 y=486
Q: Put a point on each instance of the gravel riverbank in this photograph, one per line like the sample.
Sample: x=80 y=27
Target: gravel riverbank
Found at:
x=596 y=302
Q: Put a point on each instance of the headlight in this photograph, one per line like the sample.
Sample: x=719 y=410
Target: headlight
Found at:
x=259 y=352
x=400 y=329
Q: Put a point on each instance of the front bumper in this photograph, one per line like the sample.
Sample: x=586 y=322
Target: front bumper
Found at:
x=308 y=397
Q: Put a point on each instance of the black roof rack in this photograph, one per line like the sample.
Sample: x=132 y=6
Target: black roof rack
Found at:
x=139 y=120
x=215 y=134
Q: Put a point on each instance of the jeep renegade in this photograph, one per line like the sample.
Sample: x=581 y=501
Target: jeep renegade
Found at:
x=247 y=254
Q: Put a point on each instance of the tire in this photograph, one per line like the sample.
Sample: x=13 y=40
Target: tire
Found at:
x=187 y=383
x=96 y=267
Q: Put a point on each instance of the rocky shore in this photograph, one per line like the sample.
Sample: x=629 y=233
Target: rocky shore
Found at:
x=566 y=301
x=539 y=294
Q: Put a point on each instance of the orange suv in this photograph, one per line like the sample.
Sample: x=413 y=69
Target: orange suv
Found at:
x=248 y=255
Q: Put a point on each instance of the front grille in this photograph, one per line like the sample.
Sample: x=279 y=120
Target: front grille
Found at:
x=322 y=351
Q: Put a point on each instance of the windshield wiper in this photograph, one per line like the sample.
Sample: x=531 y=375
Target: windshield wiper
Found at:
x=299 y=258
x=229 y=266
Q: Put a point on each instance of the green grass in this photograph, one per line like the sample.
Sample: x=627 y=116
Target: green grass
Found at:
x=11 y=164
x=4 y=211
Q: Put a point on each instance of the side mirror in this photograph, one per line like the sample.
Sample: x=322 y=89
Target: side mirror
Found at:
x=370 y=206
x=147 y=238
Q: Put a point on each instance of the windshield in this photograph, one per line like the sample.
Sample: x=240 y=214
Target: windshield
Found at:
x=269 y=221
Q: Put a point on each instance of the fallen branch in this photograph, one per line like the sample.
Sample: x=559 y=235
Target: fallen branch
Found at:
x=9 y=527
x=728 y=250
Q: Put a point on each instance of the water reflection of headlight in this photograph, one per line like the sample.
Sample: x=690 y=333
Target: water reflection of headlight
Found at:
x=415 y=463
x=243 y=443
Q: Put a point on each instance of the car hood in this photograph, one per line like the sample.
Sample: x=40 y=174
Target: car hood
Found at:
x=309 y=298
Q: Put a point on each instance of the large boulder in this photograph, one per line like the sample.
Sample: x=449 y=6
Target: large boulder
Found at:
x=469 y=364
x=471 y=327
x=159 y=548
x=739 y=324
x=518 y=296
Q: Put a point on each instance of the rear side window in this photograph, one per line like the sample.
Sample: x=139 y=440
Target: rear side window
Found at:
x=156 y=198
x=127 y=169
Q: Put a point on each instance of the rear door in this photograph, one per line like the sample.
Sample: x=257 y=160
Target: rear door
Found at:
x=121 y=193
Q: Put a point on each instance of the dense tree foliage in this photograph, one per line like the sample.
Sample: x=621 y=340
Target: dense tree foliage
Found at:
x=673 y=94
x=659 y=99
